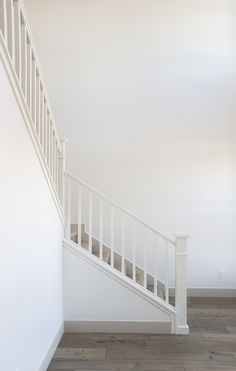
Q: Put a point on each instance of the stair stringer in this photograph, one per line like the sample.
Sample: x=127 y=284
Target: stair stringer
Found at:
x=97 y=296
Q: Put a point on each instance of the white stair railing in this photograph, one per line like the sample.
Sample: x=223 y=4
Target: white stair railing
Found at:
x=18 y=45
x=80 y=196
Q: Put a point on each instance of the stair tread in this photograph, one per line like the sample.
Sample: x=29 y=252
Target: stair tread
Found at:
x=96 y=252
x=118 y=266
x=159 y=291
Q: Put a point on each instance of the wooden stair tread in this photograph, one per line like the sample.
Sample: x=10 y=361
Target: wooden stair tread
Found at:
x=159 y=291
x=95 y=251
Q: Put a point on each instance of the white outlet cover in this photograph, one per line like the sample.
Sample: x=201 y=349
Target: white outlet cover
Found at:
x=220 y=275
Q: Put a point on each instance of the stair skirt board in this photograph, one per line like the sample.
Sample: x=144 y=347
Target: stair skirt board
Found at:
x=145 y=327
x=163 y=323
x=115 y=274
x=117 y=259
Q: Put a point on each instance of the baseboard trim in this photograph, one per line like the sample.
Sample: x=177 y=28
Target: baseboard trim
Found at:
x=119 y=326
x=43 y=366
x=209 y=292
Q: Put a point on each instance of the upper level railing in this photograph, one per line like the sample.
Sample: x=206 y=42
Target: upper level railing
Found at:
x=16 y=36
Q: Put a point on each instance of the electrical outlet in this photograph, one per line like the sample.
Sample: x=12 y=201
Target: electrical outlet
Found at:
x=220 y=275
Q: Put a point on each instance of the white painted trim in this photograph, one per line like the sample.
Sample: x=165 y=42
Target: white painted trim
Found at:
x=117 y=276
x=209 y=292
x=43 y=366
x=13 y=79
x=145 y=327
x=182 y=330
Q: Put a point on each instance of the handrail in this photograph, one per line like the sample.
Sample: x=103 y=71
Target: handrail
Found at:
x=124 y=210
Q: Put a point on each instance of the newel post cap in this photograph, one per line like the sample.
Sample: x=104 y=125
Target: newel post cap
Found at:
x=183 y=236
x=64 y=140
x=181 y=244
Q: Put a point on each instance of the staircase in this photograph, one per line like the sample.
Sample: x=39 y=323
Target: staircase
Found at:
x=105 y=234
x=131 y=250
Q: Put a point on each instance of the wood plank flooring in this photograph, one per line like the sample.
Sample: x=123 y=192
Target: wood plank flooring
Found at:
x=211 y=345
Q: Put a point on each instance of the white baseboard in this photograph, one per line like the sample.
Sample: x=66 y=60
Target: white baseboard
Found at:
x=119 y=326
x=43 y=366
x=209 y=292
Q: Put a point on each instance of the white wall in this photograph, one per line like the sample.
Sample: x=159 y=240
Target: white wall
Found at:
x=145 y=92
x=31 y=246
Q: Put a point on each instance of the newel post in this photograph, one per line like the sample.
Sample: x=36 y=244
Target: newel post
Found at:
x=181 y=283
x=61 y=172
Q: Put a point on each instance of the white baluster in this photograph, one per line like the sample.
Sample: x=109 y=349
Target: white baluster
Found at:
x=155 y=263
x=38 y=97
x=181 y=283
x=42 y=117
x=24 y=60
x=53 y=156
x=45 y=127
x=46 y=130
x=17 y=18
x=29 y=76
x=49 y=144
x=101 y=231
x=90 y=222
x=11 y=30
x=145 y=258
x=79 y=214
x=134 y=253
x=61 y=172
x=3 y=18
x=46 y=133
x=112 y=236
x=123 y=244
x=33 y=107
x=68 y=209
x=167 y=272
x=51 y=148
x=49 y=141
x=52 y=153
x=57 y=159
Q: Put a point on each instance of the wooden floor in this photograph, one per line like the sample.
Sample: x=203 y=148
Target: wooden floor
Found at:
x=211 y=344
